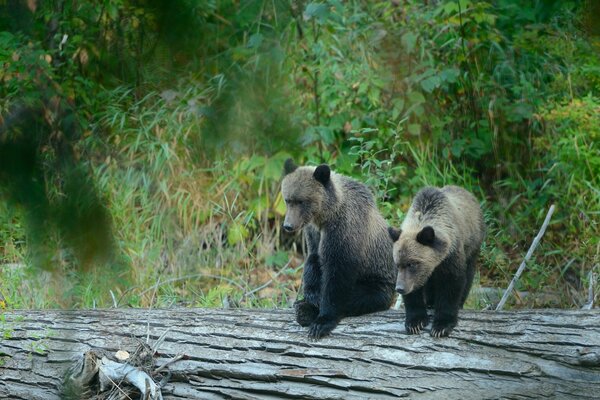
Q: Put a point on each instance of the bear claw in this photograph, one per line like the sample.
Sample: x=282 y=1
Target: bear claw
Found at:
x=321 y=328
x=438 y=332
x=414 y=330
x=415 y=326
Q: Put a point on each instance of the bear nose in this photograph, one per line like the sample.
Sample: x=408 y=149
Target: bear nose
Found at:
x=400 y=289
x=288 y=227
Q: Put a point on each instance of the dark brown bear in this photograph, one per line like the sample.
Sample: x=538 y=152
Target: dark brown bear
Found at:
x=349 y=269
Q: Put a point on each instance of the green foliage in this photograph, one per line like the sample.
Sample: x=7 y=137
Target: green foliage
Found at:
x=162 y=128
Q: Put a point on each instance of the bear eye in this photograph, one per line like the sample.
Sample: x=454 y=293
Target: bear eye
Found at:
x=412 y=267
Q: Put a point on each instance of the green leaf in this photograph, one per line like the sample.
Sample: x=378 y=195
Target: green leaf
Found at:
x=450 y=75
x=450 y=7
x=112 y=9
x=398 y=106
x=236 y=233
x=373 y=95
x=457 y=147
x=414 y=129
x=431 y=83
x=255 y=40
x=310 y=136
x=409 y=41
x=279 y=259
x=279 y=206
x=445 y=153
x=319 y=11
x=274 y=165
x=416 y=98
x=520 y=111
x=326 y=134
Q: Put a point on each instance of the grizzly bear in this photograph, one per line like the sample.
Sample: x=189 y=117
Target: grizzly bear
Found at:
x=435 y=252
x=349 y=269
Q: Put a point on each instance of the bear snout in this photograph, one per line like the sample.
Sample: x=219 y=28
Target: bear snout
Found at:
x=288 y=227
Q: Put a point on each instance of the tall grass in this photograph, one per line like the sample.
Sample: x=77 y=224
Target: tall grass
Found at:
x=189 y=167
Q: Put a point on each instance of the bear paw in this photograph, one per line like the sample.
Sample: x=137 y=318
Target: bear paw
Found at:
x=414 y=325
x=321 y=327
x=439 y=330
x=306 y=313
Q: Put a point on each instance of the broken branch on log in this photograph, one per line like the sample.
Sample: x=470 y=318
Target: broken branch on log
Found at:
x=113 y=373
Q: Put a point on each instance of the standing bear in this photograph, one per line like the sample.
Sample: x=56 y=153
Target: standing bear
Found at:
x=349 y=269
x=435 y=252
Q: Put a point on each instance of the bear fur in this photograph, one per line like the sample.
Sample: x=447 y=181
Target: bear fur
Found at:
x=435 y=252
x=349 y=269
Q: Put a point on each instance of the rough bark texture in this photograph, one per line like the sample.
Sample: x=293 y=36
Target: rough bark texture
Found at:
x=263 y=354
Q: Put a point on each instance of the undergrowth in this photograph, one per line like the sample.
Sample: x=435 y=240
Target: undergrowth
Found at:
x=185 y=144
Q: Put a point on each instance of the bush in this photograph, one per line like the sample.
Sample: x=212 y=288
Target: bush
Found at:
x=177 y=118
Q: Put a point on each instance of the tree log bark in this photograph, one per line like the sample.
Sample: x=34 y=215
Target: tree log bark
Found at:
x=264 y=354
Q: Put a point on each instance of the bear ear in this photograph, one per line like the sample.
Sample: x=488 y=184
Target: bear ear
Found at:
x=426 y=236
x=394 y=233
x=289 y=166
x=322 y=173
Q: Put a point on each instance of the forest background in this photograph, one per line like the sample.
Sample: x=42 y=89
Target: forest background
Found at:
x=142 y=142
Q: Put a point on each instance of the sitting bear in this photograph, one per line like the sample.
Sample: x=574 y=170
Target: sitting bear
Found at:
x=349 y=269
x=435 y=252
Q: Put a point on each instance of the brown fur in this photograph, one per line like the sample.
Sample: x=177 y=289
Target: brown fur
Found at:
x=439 y=239
x=301 y=188
x=349 y=269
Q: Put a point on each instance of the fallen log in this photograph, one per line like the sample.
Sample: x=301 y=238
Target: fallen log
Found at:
x=263 y=354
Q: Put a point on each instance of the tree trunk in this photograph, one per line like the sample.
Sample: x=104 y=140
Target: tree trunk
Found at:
x=264 y=354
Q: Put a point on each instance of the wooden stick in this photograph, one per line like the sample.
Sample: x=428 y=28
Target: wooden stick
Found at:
x=590 y=303
x=534 y=244
x=267 y=283
x=171 y=361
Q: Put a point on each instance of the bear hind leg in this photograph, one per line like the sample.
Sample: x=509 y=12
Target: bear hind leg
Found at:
x=306 y=313
x=471 y=262
x=369 y=297
x=449 y=293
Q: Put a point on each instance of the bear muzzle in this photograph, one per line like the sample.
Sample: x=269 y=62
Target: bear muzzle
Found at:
x=404 y=288
x=288 y=228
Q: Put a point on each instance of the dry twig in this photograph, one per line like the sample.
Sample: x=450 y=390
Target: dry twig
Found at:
x=590 y=303
x=533 y=246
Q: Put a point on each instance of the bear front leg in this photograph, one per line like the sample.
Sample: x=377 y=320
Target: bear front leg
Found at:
x=307 y=309
x=337 y=285
x=416 y=312
x=322 y=326
x=325 y=322
x=448 y=298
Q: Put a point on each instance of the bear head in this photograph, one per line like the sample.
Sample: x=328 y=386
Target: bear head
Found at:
x=416 y=255
x=304 y=190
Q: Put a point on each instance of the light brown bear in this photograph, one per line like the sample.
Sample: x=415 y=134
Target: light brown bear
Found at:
x=435 y=252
